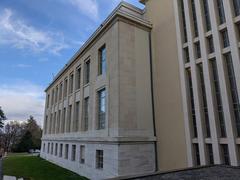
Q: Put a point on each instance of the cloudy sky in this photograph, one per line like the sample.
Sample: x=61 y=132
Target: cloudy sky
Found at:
x=36 y=39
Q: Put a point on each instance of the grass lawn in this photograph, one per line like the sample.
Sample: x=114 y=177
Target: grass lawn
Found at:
x=36 y=168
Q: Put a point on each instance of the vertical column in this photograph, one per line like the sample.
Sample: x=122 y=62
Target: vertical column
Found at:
x=195 y=85
x=223 y=84
x=183 y=84
x=209 y=94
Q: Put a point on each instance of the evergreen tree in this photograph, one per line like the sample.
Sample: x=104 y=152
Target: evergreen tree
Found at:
x=2 y=117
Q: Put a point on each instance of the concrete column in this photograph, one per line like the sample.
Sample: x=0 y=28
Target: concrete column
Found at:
x=195 y=85
x=207 y=81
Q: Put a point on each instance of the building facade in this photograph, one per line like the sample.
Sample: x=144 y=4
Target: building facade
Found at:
x=152 y=89
x=208 y=34
x=98 y=116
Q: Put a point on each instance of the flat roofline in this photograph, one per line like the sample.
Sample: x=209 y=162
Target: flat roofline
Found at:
x=116 y=12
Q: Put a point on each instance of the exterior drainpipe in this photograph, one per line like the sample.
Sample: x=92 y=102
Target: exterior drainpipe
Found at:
x=153 y=107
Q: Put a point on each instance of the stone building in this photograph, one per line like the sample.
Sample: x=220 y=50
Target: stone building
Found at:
x=151 y=90
x=98 y=116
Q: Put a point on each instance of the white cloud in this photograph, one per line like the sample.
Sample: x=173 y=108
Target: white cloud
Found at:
x=87 y=7
x=21 y=100
x=18 y=34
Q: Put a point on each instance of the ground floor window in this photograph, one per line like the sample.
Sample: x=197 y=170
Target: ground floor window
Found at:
x=99 y=159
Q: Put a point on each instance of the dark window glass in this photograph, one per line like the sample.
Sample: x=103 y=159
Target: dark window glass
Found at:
x=186 y=55
x=233 y=91
x=66 y=151
x=71 y=84
x=86 y=113
x=56 y=149
x=219 y=107
x=73 y=158
x=210 y=154
x=225 y=39
x=236 y=5
x=63 y=120
x=77 y=110
x=99 y=159
x=210 y=44
x=225 y=154
x=69 y=118
x=82 y=154
x=197 y=50
x=60 y=91
x=65 y=87
x=194 y=16
x=197 y=154
x=102 y=61
x=87 y=72
x=78 y=78
x=183 y=20
x=221 y=12
x=204 y=100
x=207 y=15
x=193 y=115
x=61 y=150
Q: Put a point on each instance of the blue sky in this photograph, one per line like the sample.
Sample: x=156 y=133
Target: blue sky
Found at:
x=36 y=39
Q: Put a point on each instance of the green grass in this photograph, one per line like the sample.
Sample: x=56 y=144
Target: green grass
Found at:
x=36 y=168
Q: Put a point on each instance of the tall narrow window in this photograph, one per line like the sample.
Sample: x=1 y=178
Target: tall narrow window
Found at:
x=66 y=151
x=77 y=109
x=58 y=121
x=45 y=125
x=73 y=158
x=82 y=154
x=48 y=148
x=65 y=87
x=102 y=60
x=51 y=148
x=207 y=15
x=225 y=39
x=56 y=96
x=221 y=12
x=233 y=91
x=219 y=107
x=78 y=78
x=86 y=113
x=63 y=120
x=87 y=72
x=197 y=154
x=48 y=98
x=210 y=44
x=60 y=91
x=236 y=5
x=210 y=154
x=99 y=159
x=197 y=50
x=225 y=154
x=194 y=16
x=69 y=118
x=54 y=123
x=56 y=149
x=101 y=108
x=50 y=124
x=186 y=55
x=52 y=100
x=44 y=146
x=71 y=84
x=61 y=150
x=193 y=115
x=183 y=21
x=238 y=31
x=204 y=100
